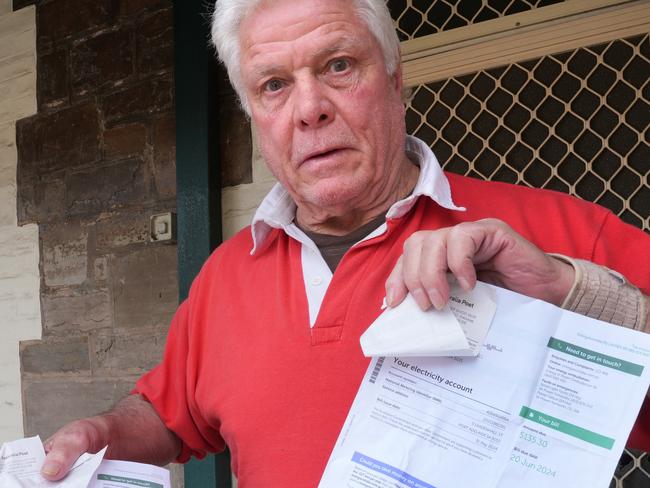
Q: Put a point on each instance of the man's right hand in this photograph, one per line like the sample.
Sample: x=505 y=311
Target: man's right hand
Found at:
x=122 y=430
x=70 y=442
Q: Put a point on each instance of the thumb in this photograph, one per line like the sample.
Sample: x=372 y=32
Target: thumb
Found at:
x=396 y=290
x=65 y=447
x=58 y=462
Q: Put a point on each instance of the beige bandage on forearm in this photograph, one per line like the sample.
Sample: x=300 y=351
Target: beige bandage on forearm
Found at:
x=603 y=294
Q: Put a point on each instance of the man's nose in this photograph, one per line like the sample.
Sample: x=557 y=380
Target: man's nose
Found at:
x=313 y=108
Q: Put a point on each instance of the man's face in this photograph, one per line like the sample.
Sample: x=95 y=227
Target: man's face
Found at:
x=330 y=119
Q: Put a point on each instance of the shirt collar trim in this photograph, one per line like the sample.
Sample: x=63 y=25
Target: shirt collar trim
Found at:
x=278 y=210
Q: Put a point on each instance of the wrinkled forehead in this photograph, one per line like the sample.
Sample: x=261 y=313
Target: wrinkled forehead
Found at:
x=294 y=20
x=293 y=33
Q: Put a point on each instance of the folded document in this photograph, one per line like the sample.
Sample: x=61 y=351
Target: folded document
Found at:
x=548 y=403
x=459 y=329
x=21 y=461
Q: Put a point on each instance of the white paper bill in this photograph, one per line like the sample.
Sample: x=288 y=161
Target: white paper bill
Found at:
x=459 y=329
x=549 y=402
x=21 y=461
x=125 y=474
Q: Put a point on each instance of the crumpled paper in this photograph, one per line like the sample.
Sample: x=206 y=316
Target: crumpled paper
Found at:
x=459 y=329
x=21 y=461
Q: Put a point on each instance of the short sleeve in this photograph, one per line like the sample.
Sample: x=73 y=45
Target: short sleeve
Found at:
x=169 y=387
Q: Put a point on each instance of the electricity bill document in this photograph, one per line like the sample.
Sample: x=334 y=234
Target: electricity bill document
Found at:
x=549 y=402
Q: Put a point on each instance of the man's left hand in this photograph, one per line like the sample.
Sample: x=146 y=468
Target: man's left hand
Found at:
x=486 y=249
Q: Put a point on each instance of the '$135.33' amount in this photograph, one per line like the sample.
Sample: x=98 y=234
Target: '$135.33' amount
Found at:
x=538 y=441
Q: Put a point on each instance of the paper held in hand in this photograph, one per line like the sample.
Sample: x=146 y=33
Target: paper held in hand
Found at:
x=459 y=329
x=549 y=402
x=21 y=461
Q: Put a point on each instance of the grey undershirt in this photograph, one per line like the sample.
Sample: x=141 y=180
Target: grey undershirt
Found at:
x=332 y=248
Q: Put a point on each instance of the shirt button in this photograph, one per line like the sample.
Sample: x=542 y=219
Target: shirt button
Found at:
x=316 y=281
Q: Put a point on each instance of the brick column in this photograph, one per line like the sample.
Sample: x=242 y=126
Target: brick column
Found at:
x=95 y=162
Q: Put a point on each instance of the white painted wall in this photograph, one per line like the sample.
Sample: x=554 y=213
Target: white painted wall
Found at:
x=20 y=314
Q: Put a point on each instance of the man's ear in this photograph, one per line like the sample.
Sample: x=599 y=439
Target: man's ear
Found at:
x=398 y=83
x=404 y=92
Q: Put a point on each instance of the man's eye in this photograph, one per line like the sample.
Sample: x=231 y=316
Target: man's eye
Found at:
x=273 y=85
x=339 y=65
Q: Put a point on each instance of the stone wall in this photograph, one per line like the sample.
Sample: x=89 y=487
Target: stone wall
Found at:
x=95 y=162
x=20 y=316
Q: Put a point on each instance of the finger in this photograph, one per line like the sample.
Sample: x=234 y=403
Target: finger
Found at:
x=64 y=449
x=421 y=263
x=433 y=268
x=411 y=271
x=464 y=241
x=395 y=288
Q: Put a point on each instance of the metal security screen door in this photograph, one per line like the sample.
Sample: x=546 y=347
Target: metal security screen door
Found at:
x=574 y=120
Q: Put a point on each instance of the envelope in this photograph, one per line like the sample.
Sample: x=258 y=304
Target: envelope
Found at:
x=459 y=329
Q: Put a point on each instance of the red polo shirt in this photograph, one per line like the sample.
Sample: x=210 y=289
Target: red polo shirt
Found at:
x=243 y=367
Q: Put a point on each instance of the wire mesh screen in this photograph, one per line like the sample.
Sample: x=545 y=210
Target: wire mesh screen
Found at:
x=575 y=122
x=417 y=18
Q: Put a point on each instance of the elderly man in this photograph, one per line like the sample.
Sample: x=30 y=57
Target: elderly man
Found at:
x=264 y=355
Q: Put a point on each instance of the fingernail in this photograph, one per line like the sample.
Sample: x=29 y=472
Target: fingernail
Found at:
x=421 y=298
x=390 y=296
x=50 y=468
x=464 y=284
x=436 y=298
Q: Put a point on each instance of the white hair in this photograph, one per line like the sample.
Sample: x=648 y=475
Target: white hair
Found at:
x=229 y=14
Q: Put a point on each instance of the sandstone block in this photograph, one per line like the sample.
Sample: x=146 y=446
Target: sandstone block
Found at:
x=151 y=96
x=145 y=287
x=115 y=185
x=53 y=78
x=101 y=60
x=52 y=141
x=64 y=18
x=155 y=42
x=65 y=254
x=119 y=229
x=131 y=7
x=41 y=199
x=51 y=404
x=164 y=155
x=126 y=140
x=76 y=310
x=129 y=353
x=69 y=355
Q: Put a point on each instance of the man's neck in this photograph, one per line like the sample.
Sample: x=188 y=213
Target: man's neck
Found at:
x=339 y=222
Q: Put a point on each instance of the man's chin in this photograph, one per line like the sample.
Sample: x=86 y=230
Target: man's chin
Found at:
x=332 y=192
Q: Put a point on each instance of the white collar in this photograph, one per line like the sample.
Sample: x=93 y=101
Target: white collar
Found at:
x=278 y=209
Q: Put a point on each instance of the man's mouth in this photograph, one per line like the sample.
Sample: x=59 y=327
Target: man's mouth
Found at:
x=322 y=154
